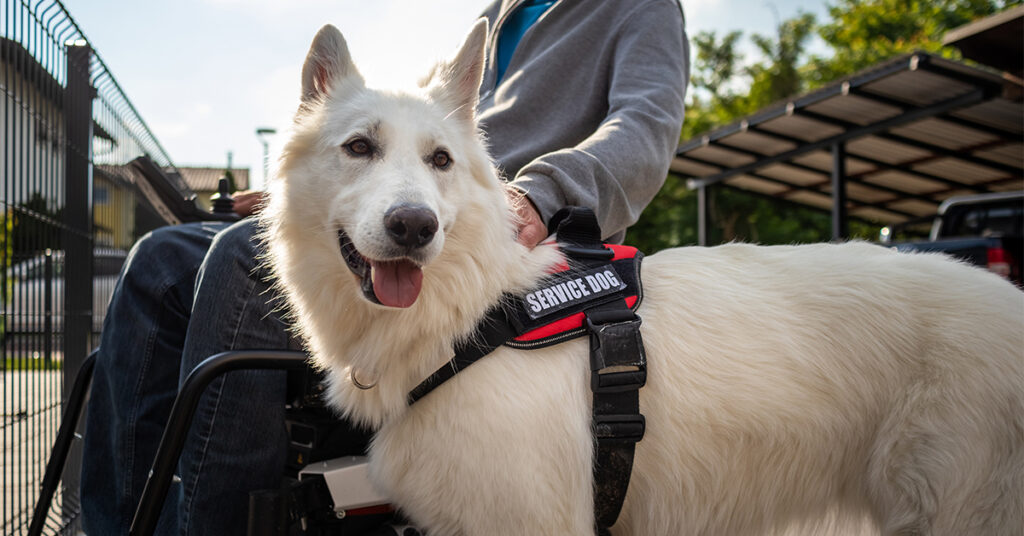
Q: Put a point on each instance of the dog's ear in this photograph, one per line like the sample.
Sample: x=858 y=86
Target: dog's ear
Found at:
x=457 y=82
x=328 y=61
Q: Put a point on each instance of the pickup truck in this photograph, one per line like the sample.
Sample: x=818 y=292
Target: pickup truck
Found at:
x=984 y=229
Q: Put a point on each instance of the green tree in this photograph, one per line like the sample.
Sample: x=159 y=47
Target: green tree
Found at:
x=670 y=219
x=712 y=99
x=865 y=32
x=778 y=77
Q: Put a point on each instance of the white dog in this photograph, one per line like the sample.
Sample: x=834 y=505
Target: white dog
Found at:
x=787 y=386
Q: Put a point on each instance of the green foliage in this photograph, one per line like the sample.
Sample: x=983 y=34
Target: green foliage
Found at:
x=717 y=65
x=6 y=244
x=745 y=217
x=779 y=76
x=724 y=88
x=670 y=219
x=865 y=32
x=31 y=363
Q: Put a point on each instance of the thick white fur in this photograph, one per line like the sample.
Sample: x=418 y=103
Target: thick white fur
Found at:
x=789 y=388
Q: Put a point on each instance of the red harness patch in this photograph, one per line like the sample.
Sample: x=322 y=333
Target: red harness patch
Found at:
x=566 y=319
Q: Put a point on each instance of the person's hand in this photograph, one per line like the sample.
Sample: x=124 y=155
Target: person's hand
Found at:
x=248 y=202
x=530 y=228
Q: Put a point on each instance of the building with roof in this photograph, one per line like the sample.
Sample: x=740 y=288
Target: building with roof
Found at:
x=204 y=180
x=33 y=149
x=887 y=145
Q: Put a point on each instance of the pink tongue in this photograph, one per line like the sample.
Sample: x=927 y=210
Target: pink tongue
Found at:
x=397 y=283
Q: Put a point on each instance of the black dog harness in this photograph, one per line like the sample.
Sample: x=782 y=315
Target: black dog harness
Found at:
x=595 y=293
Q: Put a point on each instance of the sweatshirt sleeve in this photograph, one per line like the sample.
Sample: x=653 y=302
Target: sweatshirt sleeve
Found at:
x=619 y=168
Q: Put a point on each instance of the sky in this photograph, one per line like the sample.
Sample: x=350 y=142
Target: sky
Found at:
x=205 y=74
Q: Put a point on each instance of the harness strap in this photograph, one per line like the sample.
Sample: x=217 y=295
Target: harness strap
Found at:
x=618 y=370
x=500 y=330
x=576 y=227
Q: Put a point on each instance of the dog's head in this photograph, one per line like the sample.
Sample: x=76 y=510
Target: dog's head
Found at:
x=387 y=228
x=384 y=172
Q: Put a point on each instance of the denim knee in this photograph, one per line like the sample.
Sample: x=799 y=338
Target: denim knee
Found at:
x=234 y=250
x=169 y=254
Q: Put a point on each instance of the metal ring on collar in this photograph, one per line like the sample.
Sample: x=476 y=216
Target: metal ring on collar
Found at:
x=358 y=384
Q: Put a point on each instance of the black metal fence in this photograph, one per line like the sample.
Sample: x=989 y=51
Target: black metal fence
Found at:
x=69 y=211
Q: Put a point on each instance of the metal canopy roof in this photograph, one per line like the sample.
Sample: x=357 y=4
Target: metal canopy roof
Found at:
x=897 y=139
x=994 y=41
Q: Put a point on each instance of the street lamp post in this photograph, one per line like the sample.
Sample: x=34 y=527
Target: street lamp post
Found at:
x=263 y=133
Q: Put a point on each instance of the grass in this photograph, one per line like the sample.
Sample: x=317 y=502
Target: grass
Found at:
x=31 y=363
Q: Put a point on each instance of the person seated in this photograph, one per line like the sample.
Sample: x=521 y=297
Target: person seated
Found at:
x=586 y=112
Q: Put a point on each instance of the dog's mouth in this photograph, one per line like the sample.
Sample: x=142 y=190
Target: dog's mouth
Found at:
x=394 y=283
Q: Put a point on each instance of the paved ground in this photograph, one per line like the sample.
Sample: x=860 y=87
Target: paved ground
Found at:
x=31 y=416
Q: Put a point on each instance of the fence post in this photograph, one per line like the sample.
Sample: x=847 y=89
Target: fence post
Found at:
x=77 y=240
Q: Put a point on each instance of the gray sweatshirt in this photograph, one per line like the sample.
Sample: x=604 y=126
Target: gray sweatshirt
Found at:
x=590 y=108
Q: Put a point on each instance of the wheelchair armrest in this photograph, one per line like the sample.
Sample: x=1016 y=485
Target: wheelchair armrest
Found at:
x=173 y=440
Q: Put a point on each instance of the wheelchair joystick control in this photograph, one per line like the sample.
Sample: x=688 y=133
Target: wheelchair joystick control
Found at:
x=223 y=203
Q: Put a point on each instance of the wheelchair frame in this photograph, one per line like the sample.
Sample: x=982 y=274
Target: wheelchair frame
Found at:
x=269 y=509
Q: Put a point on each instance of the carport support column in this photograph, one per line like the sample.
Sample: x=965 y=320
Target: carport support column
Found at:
x=840 y=225
x=703 y=217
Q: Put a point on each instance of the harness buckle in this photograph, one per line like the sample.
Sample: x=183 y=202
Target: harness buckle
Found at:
x=615 y=346
x=620 y=428
x=577 y=252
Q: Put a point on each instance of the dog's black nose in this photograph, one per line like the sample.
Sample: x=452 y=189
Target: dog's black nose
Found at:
x=409 y=225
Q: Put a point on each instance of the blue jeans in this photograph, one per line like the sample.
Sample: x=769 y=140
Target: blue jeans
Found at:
x=186 y=293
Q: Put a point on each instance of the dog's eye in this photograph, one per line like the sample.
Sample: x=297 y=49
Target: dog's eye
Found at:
x=441 y=159
x=359 y=147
